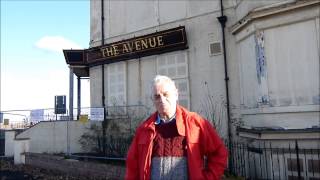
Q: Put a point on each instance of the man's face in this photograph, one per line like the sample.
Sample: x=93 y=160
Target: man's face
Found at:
x=165 y=98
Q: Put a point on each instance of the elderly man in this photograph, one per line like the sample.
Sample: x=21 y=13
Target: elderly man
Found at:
x=174 y=143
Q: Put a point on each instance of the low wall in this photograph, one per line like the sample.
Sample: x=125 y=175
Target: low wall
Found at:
x=74 y=167
x=55 y=136
x=21 y=146
x=9 y=143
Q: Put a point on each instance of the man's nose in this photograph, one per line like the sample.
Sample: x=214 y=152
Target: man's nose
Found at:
x=162 y=98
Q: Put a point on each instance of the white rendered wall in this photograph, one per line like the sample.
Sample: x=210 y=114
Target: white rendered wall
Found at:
x=20 y=148
x=95 y=74
x=9 y=143
x=124 y=20
x=52 y=137
x=291 y=47
x=244 y=6
x=124 y=17
x=127 y=19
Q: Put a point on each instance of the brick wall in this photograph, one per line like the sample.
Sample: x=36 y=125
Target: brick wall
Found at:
x=76 y=168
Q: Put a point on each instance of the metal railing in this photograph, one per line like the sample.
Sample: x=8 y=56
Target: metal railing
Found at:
x=260 y=160
x=2 y=142
x=21 y=119
x=267 y=161
x=115 y=148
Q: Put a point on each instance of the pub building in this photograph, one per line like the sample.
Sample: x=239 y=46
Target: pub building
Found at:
x=132 y=41
x=253 y=64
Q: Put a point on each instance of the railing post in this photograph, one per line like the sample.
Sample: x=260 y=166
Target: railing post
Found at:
x=298 y=161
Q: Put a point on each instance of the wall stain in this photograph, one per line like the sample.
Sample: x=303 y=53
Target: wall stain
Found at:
x=260 y=55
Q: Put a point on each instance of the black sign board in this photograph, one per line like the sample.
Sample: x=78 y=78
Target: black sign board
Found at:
x=151 y=44
x=60 y=105
x=75 y=57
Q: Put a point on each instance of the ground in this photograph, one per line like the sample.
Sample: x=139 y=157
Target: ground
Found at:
x=9 y=171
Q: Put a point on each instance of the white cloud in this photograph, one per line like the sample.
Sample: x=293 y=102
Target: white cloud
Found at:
x=56 y=44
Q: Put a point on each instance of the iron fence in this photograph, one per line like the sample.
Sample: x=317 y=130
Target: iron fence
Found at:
x=2 y=142
x=259 y=161
x=268 y=161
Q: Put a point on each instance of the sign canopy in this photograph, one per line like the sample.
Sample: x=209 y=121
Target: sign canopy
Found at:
x=151 y=44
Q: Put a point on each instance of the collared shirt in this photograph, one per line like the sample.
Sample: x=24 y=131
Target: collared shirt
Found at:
x=159 y=120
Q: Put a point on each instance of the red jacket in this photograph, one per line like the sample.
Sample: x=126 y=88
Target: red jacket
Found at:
x=202 y=141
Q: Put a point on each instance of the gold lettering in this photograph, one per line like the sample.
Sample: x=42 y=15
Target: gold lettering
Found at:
x=138 y=45
x=152 y=42
x=144 y=44
x=125 y=48
x=130 y=44
x=160 y=41
x=102 y=51
x=116 y=50
x=107 y=51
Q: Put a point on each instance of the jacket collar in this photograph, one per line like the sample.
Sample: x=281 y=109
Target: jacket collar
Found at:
x=181 y=118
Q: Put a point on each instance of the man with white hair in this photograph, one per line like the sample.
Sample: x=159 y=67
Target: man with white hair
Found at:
x=174 y=143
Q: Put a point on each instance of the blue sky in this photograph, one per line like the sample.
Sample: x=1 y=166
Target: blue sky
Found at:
x=33 y=34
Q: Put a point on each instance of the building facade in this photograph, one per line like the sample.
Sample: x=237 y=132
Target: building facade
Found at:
x=271 y=54
x=250 y=67
x=257 y=59
x=197 y=71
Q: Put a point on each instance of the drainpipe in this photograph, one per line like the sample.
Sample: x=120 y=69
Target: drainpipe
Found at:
x=223 y=19
x=102 y=43
x=102 y=70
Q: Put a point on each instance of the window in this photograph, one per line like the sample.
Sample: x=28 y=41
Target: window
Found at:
x=175 y=66
x=280 y=66
x=116 y=87
x=292 y=57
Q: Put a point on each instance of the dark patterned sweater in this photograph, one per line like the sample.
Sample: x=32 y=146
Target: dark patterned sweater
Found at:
x=169 y=155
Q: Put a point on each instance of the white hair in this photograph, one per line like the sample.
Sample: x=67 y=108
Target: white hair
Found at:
x=163 y=79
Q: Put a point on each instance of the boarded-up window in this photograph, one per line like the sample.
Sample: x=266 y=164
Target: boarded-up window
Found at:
x=292 y=57
x=280 y=66
x=248 y=73
x=175 y=66
x=116 y=84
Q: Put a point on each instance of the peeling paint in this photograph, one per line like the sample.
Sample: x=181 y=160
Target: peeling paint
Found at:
x=316 y=99
x=260 y=55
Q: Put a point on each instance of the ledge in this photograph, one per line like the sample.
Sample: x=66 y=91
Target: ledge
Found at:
x=21 y=139
x=278 y=133
x=280 y=109
x=268 y=11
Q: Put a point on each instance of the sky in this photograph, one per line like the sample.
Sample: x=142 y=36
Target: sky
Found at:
x=33 y=67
